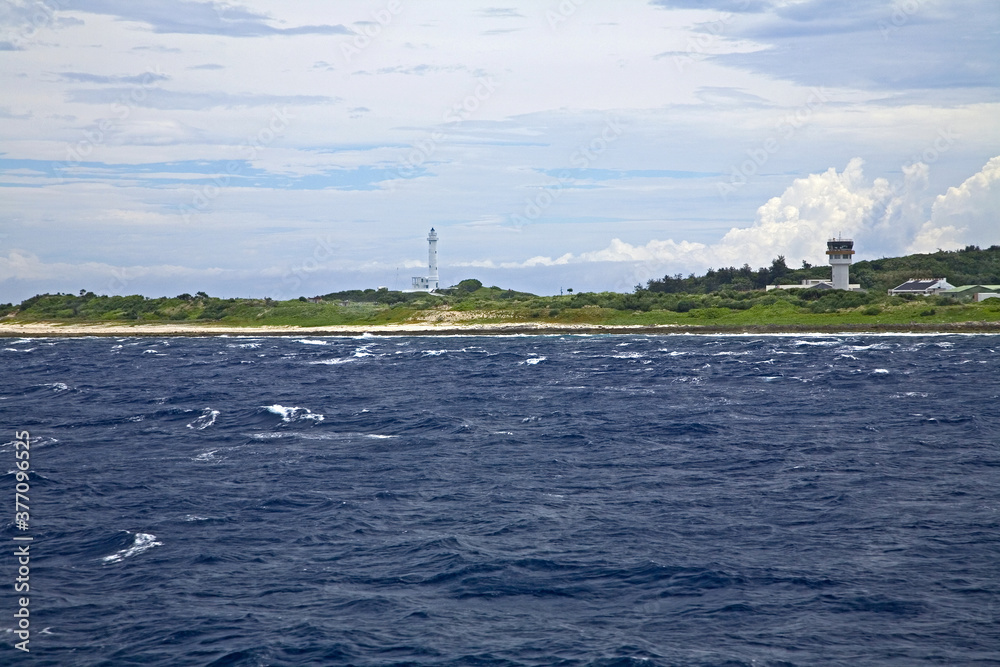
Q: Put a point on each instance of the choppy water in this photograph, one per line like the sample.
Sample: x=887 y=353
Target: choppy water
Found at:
x=591 y=500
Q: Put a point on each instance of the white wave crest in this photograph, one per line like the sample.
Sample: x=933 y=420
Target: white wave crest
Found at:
x=142 y=542
x=289 y=415
x=205 y=420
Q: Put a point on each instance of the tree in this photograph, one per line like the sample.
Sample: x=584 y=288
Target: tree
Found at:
x=469 y=285
x=778 y=268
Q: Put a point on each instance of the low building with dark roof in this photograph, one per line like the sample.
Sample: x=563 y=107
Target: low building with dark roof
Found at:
x=923 y=286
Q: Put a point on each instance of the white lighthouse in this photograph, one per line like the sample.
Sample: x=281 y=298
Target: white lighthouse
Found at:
x=432 y=259
x=430 y=282
x=840 y=252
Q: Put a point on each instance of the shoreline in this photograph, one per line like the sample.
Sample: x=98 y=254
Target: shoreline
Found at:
x=104 y=329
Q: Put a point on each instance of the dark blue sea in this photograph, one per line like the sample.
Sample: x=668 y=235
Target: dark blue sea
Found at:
x=505 y=501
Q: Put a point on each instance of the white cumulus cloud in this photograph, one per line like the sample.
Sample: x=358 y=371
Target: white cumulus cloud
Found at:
x=964 y=214
x=883 y=217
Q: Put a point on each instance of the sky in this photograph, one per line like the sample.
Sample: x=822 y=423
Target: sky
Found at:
x=284 y=149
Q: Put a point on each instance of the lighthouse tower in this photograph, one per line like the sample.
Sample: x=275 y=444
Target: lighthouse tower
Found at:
x=429 y=283
x=840 y=252
x=432 y=260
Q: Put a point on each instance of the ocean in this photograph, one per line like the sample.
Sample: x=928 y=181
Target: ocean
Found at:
x=502 y=500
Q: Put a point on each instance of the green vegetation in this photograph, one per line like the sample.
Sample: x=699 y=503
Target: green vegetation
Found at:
x=963 y=267
x=88 y=307
x=724 y=298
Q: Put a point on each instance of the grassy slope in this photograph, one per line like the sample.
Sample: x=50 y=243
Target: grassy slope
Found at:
x=558 y=310
x=473 y=303
x=780 y=313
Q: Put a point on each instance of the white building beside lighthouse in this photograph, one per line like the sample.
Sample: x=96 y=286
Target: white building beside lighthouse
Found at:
x=429 y=283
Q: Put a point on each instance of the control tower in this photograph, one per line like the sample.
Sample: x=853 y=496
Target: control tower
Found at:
x=840 y=252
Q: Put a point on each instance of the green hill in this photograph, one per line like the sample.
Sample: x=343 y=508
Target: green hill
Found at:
x=970 y=265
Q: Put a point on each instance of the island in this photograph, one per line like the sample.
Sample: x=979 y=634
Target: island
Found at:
x=963 y=296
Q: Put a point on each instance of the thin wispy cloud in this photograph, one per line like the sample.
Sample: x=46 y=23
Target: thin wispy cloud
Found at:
x=197 y=18
x=83 y=77
x=169 y=100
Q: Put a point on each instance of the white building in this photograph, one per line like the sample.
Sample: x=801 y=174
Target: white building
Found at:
x=814 y=283
x=922 y=286
x=840 y=253
x=430 y=282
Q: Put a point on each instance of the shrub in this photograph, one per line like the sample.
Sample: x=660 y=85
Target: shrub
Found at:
x=709 y=313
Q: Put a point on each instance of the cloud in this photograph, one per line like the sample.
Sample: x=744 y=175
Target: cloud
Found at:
x=735 y=6
x=967 y=214
x=724 y=96
x=157 y=48
x=5 y=112
x=22 y=265
x=143 y=79
x=157 y=98
x=22 y=19
x=415 y=70
x=884 y=45
x=883 y=218
x=501 y=12
x=197 y=18
x=210 y=175
x=590 y=174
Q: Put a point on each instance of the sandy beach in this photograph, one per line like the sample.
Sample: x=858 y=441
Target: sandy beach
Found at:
x=55 y=329
x=62 y=330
